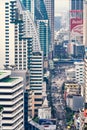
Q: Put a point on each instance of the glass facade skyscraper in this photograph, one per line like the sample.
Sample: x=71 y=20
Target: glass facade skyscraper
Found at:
x=42 y=26
x=39 y=13
x=29 y=5
x=50 y=12
x=76 y=4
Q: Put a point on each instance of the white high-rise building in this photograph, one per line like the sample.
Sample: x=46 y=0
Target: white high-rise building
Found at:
x=85 y=79
x=19 y=40
x=79 y=72
x=30 y=30
x=17 y=33
x=11 y=98
x=1 y=110
x=50 y=11
x=85 y=23
x=36 y=73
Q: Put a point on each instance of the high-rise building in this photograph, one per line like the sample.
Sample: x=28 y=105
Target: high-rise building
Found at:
x=79 y=72
x=50 y=12
x=18 y=33
x=36 y=71
x=38 y=11
x=36 y=83
x=85 y=80
x=79 y=51
x=76 y=20
x=43 y=27
x=1 y=110
x=25 y=75
x=85 y=24
x=19 y=39
x=42 y=24
x=76 y=4
x=11 y=98
x=30 y=5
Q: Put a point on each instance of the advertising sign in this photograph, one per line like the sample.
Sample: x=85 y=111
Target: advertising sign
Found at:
x=48 y=124
x=76 y=23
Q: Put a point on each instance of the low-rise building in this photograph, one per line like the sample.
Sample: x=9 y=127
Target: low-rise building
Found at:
x=70 y=74
x=79 y=51
x=72 y=88
x=80 y=120
x=75 y=102
x=44 y=112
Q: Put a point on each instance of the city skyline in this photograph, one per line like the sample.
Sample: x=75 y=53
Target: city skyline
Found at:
x=43 y=68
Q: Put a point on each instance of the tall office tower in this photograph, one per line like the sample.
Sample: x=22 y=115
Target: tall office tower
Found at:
x=1 y=115
x=11 y=98
x=36 y=59
x=42 y=24
x=19 y=37
x=76 y=20
x=79 y=72
x=50 y=11
x=36 y=81
x=85 y=80
x=76 y=4
x=43 y=32
x=14 y=45
x=18 y=33
x=36 y=72
x=30 y=5
x=31 y=30
x=25 y=75
x=39 y=14
x=85 y=24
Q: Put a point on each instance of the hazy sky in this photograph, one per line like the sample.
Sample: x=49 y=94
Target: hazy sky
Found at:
x=61 y=5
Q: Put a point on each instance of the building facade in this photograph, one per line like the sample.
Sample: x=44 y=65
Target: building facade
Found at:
x=11 y=98
x=50 y=11
x=1 y=114
x=39 y=15
x=76 y=4
x=43 y=27
x=17 y=33
x=76 y=20
x=79 y=51
x=79 y=72
x=85 y=81
x=20 y=46
x=44 y=112
x=85 y=24
x=30 y=5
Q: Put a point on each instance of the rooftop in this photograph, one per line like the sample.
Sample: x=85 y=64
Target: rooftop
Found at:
x=2 y=73
x=7 y=80
x=71 y=82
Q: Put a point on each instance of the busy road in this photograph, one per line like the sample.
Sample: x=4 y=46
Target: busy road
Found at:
x=57 y=99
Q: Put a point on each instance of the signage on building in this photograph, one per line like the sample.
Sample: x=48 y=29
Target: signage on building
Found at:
x=76 y=23
x=48 y=124
x=85 y=112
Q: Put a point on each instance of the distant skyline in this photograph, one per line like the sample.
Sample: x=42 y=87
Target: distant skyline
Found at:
x=61 y=6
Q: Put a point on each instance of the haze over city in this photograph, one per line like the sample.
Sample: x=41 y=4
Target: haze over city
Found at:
x=43 y=64
x=61 y=6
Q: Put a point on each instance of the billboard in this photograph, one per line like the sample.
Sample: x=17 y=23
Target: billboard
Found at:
x=48 y=124
x=76 y=23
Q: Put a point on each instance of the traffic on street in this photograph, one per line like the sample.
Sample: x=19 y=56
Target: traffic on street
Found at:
x=57 y=98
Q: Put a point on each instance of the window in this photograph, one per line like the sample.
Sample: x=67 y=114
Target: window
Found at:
x=38 y=99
